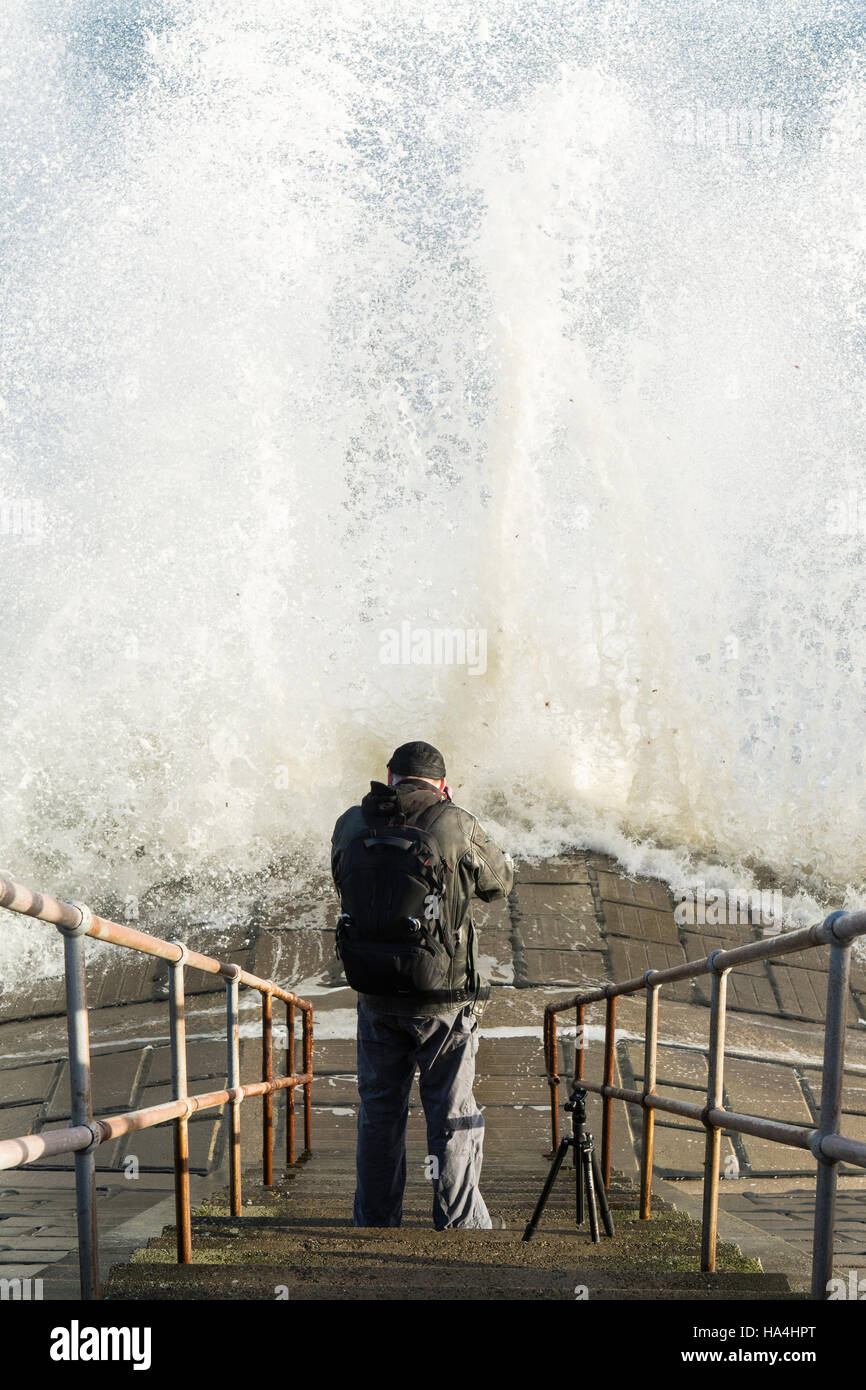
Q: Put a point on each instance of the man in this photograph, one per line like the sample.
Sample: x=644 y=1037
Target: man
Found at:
x=420 y=996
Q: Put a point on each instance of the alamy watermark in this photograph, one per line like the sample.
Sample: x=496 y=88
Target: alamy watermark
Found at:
x=77 y=1343
x=853 y=1287
x=21 y=1290
x=735 y=127
x=846 y=513
x=434 y=646
x=701 y=906
x=22 y=518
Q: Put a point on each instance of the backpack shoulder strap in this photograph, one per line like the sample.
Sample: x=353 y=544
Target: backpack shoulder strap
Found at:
x=427 y=818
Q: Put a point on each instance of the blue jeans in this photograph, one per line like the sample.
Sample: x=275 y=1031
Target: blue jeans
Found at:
x=443 y=1048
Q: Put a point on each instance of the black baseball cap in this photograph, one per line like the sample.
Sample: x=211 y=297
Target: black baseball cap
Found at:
x=417 y=760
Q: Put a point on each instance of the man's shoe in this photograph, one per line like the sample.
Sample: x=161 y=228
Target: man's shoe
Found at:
x=497 y=1223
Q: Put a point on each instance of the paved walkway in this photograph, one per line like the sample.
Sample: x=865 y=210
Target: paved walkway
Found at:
x=573 y=921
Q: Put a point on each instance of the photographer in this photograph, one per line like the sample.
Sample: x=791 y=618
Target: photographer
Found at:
x=406 y=863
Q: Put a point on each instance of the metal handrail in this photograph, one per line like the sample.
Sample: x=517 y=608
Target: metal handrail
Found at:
x=84 y=1134
x=826 y=1144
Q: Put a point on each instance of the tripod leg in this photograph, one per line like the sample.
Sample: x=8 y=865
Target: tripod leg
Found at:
x=578 y=1185
x=564 y=1146
x=607 y=1219
x=586 y=1163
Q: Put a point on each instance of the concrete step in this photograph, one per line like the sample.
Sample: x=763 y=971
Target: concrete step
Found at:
x=437 y=1281
x=296 y=1240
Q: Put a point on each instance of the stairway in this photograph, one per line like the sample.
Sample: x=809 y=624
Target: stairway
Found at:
x=296 y=1241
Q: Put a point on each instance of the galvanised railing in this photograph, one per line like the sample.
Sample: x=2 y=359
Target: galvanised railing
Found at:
x=84 y=1134
x=826 y=1144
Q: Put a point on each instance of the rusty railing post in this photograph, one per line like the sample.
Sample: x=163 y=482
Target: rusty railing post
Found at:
x=715 y=1100
x=268 y=1098
x=179 y=1091
x=81 y=1099
x=550 y=1047
x=308 y=1085
x=607 y=1102
x=290 y=1090
x=831 y=1114
x=233 y=1084
x=651 y=1035
x=579 y=1041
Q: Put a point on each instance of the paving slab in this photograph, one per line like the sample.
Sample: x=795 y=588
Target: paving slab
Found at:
x=557 y=931
x=646 y=924
x=571 y=969
x=853 y=1090
x=495 y=916
x=765 y=1088
x=751 y=994
x=816 y=959
x=28 y=1083
x=777 y=1159
x=682 y=1076
x=42 y=1201
x=307 y=914
x=523 y=1008
x=205 y=1061
x=679 y=1151
x=495 y=959
x=640 y=892
x=161 y=1093
x=525 y=1087
x=153 y=1148
x=631 y=958
x=114 y=1078
x=505 y=1056
x=803 y=994
x=556 y=917
x=559 y=869
x=515 y=1089
x=301 y=956
x=543 y=900
x=730 y=932
x=675 y=1067
x=498 y=942
x=44 y=997
x=339 y=1088
x=126 y=979
x=18 y=1120
x=697 y=945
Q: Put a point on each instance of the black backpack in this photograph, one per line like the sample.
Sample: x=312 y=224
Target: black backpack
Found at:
x=393 y=935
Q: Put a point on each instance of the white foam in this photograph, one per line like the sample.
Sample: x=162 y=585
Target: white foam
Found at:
x=283 y=285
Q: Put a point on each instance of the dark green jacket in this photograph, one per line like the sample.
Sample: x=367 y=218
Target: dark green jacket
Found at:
x=480 y=869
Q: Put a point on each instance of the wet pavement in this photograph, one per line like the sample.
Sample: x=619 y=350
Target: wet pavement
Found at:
x=570 y=922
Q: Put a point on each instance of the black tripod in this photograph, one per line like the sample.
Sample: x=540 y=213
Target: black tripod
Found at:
x=587 y=1172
